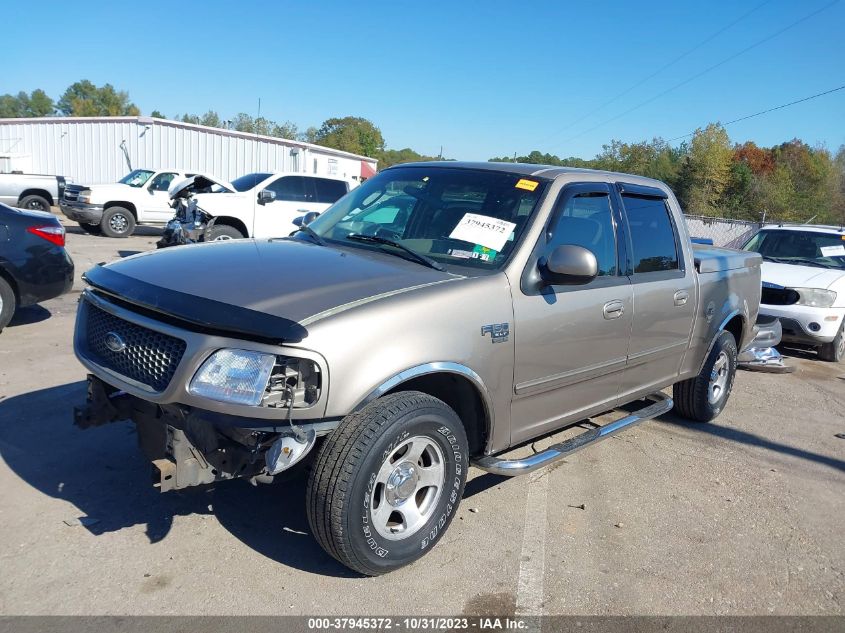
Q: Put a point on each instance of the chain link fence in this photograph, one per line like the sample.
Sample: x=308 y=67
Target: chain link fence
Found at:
x=723 y=232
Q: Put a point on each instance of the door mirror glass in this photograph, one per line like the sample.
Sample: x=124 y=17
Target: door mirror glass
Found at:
x=308 y=218
x=569 y=265
x=265 y=196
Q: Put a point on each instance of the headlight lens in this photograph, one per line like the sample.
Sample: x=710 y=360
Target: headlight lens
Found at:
x=84 y=196
x=815 y=297
x=233 y=375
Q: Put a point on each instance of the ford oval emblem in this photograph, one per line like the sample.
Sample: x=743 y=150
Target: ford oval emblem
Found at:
x=114 y=343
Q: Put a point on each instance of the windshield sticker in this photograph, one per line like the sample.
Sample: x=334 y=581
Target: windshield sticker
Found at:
x=455 y=252
x=833 y=251
x=483 y=230
x=484 y=254
x=528 y=185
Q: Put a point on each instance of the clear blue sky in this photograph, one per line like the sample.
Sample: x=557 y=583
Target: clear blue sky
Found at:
x=481 y=78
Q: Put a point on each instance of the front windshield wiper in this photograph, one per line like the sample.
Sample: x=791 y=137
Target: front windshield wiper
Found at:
x=418 y=257
x=315 y=237
x=799 y=261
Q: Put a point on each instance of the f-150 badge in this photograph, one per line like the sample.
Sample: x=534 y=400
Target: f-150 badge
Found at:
x=498 y=332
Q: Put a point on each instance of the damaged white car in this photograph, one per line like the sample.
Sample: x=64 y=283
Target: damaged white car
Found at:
x=804 y=284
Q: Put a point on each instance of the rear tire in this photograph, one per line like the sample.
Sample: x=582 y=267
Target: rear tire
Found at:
x=222 y=232
x=117 y=222
x=8 y=303
x=834 y=351
x=35 y=203
x=387 y=482
x=701 y=399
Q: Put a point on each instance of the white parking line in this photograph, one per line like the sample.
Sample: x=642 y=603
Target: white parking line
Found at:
x=532 y=560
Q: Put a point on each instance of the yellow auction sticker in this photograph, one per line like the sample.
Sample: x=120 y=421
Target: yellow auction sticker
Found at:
x=528 y=185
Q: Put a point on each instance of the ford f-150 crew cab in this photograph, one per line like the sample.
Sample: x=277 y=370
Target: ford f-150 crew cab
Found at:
x=437 y=316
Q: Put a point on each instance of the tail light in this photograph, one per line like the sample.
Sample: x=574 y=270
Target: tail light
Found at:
x=51 y=233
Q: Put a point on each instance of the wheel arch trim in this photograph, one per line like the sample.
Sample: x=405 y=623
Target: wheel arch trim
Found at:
x=733 y=314
x=437 y=367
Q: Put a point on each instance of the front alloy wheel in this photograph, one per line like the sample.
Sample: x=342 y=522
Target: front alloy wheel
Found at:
x=408 y=486
x=387 y=482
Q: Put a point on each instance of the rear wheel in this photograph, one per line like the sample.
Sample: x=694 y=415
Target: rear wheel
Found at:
x=35 y=203
x=7 y=303
x=222 y=232
x=117 y=222
x=387 y=482
x=834 y=351
x=702 y=398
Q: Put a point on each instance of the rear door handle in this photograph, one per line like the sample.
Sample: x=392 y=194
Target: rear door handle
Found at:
x=613 y=309
x=681 y=297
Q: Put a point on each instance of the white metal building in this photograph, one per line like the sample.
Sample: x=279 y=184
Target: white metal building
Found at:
x=91 y=150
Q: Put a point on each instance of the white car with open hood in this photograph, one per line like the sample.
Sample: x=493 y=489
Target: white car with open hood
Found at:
x=266 y=204
x=804 y=284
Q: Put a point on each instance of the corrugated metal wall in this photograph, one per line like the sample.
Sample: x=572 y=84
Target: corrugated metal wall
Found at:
x=91 y=150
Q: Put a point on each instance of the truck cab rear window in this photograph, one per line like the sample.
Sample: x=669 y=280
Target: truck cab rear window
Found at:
x=652 y=235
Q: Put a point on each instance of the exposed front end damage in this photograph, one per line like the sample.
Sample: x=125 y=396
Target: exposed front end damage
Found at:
x=190 y=447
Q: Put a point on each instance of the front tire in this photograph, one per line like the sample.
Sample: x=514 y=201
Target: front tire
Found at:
x=702 y=399
x=222 y=232
x=834 y=351
x=8 y=302
x=387 y=482
x=117 y=222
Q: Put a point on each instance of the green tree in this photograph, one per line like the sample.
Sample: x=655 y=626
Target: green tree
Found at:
x=157 y=114
x=397 y=156
x=351 y=134
x=707 y=170
x=83 y=98
x=34 y=104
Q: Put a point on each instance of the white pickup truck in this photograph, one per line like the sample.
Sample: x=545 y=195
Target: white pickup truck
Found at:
x=114 y=209
x=265 y=205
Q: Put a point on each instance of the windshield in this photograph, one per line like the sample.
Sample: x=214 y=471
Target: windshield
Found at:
x=250 y=181
x=136 y=177
x=803 y=248
x=453 y=216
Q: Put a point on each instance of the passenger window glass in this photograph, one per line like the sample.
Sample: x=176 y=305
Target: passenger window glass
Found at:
x=291 y=189
x=586 y=220
x=329 y=191
x=162 y=182
x=652 y=236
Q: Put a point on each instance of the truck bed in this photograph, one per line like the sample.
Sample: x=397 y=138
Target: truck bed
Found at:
x=711 y=259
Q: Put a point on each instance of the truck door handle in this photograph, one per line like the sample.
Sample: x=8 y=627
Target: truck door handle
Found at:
x=681 y=297
x=613 y=309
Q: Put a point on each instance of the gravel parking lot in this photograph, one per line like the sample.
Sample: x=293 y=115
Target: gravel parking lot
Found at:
x=743 y=516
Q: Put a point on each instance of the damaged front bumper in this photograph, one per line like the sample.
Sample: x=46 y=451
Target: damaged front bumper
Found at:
x=190 y=447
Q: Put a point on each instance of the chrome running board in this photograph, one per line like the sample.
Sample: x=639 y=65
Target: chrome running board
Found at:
x=512 y=467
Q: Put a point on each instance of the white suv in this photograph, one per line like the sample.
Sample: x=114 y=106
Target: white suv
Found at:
x=804 y=284
x=266 y=204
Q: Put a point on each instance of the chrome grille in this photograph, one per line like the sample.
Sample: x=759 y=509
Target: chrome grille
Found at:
x=148 y=357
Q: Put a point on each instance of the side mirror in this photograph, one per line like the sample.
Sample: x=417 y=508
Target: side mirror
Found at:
x=265 y=196
x=569 y=265
x=308 y=218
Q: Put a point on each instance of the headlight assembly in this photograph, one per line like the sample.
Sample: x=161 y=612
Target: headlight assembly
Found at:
x=233 y=375
x=815 y=297
x=257 y=379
